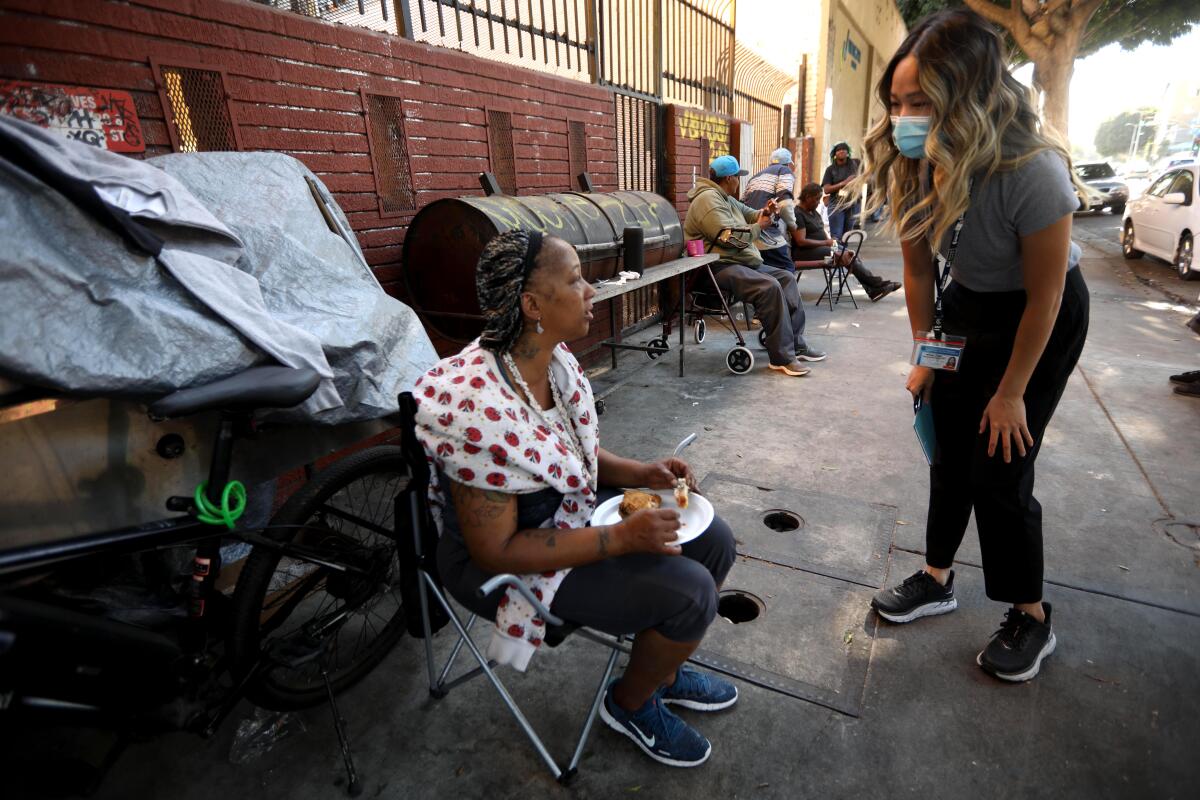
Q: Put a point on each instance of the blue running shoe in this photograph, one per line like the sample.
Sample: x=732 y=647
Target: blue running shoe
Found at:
x=699 y=691
x=661 y=735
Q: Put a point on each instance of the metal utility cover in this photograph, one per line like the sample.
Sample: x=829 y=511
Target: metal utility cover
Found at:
x=841 y=537
x=813 y=641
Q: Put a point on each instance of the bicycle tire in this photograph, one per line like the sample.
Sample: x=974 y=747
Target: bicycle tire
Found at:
x=269 y=689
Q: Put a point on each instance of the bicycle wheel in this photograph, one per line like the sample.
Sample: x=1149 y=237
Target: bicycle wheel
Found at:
x=302 y=613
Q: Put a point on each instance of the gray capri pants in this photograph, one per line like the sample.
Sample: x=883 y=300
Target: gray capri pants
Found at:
x=674 y=595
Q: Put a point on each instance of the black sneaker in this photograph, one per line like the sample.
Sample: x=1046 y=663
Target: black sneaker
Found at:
x=1186 y=377
x=920 y=595
x=1016 y=651
x=882 y=291
x=810 y=353
x=1192 y=389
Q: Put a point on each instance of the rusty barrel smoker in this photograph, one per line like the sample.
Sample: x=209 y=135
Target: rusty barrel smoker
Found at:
x=444 y=241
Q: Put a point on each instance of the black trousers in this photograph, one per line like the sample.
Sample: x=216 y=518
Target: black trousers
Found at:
x=868 y=279
x=777 y=304
x=1008 y=516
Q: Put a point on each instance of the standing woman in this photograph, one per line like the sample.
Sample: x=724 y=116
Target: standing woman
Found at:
x=970 y=174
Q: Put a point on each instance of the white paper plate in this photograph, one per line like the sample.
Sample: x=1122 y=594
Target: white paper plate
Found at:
x=694 y=520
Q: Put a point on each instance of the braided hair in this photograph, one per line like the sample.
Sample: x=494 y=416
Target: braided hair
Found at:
x=503 y=270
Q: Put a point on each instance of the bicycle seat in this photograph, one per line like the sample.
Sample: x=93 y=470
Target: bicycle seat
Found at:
x=257 y=387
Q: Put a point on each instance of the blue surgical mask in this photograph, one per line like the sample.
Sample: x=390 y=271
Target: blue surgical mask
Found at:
x=909 y=134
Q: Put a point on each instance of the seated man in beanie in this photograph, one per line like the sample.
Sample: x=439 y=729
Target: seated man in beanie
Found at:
x=729 y=228
x=810 y=242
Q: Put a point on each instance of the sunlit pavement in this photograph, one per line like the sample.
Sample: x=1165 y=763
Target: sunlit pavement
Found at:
x=861 y=709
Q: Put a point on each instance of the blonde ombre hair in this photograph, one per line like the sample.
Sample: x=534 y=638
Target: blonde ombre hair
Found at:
x=982 y=121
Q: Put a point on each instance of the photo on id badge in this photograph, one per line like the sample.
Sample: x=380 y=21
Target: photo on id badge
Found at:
x=942 y=352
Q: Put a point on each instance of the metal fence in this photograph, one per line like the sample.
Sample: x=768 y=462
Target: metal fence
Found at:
x=698 y=53
x=378 y=15
x=553 y=36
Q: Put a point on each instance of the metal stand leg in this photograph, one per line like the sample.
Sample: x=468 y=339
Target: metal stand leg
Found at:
x=355 y=787
x=591 y=717
x=682 y=322
x=485 y=665
x=612 y=330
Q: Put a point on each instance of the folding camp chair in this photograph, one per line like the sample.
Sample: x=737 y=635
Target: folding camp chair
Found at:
x=835 y=272
x=431 y=592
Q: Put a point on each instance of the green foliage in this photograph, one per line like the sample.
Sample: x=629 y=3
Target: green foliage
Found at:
x=1128 y=23
x=1115 y=134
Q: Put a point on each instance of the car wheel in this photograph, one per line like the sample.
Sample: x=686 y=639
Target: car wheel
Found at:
x=1127 y=247
x=1118 y=209
x=1183 y=258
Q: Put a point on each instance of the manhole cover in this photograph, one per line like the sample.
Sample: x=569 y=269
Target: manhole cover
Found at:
x=738 y=606
x=783 y=521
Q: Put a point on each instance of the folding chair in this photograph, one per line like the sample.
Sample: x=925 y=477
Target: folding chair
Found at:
x=431 y=591
x=836 y=272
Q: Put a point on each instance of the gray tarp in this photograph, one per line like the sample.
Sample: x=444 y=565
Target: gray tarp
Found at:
x=250 y=273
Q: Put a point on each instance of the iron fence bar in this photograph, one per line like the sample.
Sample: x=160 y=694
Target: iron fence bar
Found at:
x=504 y=23
x=441 y=21
x=554 y=13
x=475 y=22
x=458 y=19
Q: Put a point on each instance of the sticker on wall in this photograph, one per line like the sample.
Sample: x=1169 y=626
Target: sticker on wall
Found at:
x=851 y=52
x=103 y=118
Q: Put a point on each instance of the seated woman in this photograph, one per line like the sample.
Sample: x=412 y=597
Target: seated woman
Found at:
x=511 y=427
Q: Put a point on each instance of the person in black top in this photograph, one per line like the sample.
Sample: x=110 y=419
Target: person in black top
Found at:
x=811 y=243
x=843 y=214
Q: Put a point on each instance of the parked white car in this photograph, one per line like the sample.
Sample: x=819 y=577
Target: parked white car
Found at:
x=1165 y=220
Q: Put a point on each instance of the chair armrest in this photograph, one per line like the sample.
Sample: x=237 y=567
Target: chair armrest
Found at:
x=512 y=580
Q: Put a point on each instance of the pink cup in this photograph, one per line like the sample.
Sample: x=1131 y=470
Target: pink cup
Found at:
x=695 y=247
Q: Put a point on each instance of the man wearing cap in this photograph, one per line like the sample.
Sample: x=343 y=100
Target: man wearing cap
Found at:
x=730 y=228
x=838 y=175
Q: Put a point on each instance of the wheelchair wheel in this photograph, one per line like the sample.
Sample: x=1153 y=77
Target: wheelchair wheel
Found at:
x=739 y=360
x=659 y=342
x=298 y=609
x=762 y=337
x=700 y=330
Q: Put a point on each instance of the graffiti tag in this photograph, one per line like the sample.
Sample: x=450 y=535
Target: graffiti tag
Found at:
x=696 y=125
x=103 y=118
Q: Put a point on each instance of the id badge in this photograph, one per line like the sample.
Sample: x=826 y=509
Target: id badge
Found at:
x=938 y=352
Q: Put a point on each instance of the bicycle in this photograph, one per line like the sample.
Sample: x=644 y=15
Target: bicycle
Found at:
x=326 y=570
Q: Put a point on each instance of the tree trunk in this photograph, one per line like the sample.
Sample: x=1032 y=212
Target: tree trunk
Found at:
x=1054 y=77
x=1048 y=33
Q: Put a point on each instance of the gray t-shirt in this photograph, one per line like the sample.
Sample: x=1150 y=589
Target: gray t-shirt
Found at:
x=1004 y=208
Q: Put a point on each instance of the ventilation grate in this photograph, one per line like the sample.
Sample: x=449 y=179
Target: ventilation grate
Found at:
x=500 y=150
x=389 y=154
x=576 y=151
x=198 y=110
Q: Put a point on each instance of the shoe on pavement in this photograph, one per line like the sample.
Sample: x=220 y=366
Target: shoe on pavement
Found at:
x=919 y=595
x=659 y=733
x=795 y=369
x=1192 y=389
x=1016 y=651
x=810 y=353
x=699 y=691
x=883 y=290
x=1186 y=377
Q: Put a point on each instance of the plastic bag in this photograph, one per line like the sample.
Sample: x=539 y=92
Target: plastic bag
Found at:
x=259 y=732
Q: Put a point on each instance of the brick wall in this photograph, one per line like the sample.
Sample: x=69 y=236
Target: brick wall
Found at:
x=299 y=86
x=693 y=139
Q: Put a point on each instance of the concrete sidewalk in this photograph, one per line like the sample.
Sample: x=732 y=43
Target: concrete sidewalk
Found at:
x=859 y=708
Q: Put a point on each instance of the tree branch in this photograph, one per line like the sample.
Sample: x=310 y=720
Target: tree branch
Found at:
x=992 y=12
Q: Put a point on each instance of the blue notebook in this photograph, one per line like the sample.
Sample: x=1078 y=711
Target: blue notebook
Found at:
x=923 y=426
